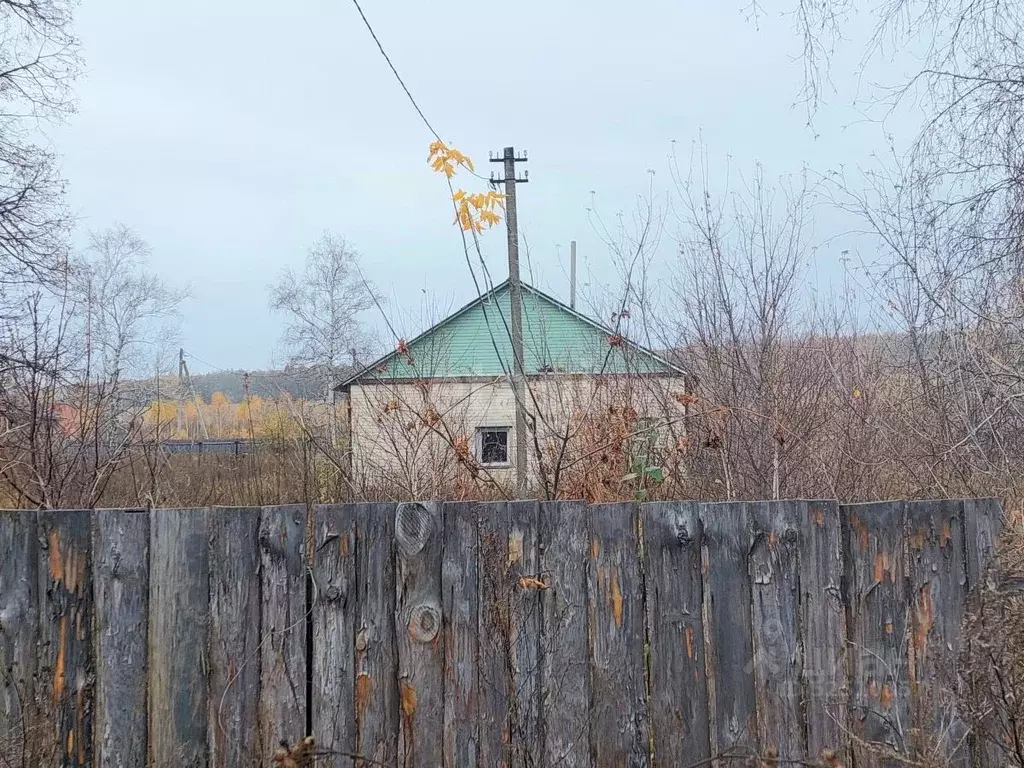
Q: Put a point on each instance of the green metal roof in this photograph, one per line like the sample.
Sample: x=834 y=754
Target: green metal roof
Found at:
x=475 y=341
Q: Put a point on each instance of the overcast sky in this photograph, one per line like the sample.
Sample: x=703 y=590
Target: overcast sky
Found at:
x=230 y=134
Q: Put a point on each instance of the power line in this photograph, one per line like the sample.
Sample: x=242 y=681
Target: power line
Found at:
x=401 y=82
x=398 y=77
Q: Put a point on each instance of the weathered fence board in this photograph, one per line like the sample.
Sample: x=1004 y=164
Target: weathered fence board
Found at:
x=729 y=536
x=19 y=627
x=878 y=630
x=65 y=649
x=526 y=584
x=494 y=634
x=179 y=621
x=459 y=604
x=506 y=633
x=565 y=675
x=823 y=627
x=775 y=568
x=282 y=702
x=618 y=730
x=334 y=639
x=679 y=703
x=983 y=520
x=418 y=545
x=120 y=547
x=376 y=659
x=234 y=637
x=937 y=577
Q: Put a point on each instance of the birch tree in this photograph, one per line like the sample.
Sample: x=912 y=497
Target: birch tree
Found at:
x=322 y=305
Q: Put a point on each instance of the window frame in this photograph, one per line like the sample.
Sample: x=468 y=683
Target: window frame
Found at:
x=480 y=447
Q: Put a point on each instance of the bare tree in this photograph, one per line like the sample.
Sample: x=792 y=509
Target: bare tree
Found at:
x=322 y=307
x=744 y=332
x=71 y=414
x=38 y=62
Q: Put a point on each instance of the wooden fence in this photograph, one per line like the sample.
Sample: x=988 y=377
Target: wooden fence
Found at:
x=464 y=634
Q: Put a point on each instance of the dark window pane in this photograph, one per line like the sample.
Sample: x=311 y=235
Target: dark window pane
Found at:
x=494 y=446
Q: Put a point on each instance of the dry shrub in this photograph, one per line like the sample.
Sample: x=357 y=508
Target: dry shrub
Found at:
x=992 y=660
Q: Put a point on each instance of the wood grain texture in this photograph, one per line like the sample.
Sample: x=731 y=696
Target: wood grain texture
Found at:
x=496 y=660
x=376 y=659
x=179 y=622
x=938 y=595
x=728 y=538
x=334 y=633
x=19 y=632
x=983 y=523
x=282 y=702
x=234 y=638
x=527 y=584
x=877 y=628
x=460 y=603
x=121 y=572
x=678 y=700
x=418 y=628
x=565 y=676
x=823 y=626
x=775 y=569
x=619 y=732
x=65 y=651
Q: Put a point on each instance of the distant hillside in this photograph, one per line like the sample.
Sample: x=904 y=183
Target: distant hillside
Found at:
x=301 y=384
x=298 y=383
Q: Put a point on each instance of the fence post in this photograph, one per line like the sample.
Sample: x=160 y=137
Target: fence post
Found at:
x=419 y=542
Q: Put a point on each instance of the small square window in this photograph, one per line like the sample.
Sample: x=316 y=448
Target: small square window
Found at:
x=492 y=445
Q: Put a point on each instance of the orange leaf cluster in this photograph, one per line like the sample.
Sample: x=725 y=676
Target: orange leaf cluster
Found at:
x=446 y=160
x=478 y=211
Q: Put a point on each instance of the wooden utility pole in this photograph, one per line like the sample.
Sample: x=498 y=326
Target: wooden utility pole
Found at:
x=515 y=294
x=181 y=393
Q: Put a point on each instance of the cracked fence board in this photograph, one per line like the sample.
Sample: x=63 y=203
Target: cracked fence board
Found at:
x=524 y=626
x=678 y=699
x=983 y=522
x=334 y=634
x=376 y=661
x=494 y=675
x=877 y=628
x=618 y=730
x=121 y=573
x=823 y=626
x=775 y=577
x=420 y=641
x=179 y=621
x=65 y=650
x=938 y=598
x=19 y=627
x=234 y=637
x=459 y=590
x=728 y=538
x=282 y=702
x=565 y=676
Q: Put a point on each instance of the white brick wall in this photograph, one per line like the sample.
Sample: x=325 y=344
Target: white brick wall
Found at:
x=405 y=437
